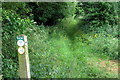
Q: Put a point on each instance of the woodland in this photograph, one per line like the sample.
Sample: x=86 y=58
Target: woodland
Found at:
x=65 y=39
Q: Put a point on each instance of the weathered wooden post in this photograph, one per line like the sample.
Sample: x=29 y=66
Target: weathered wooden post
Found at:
x=24 y=66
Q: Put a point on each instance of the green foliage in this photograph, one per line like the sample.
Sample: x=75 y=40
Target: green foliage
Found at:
x=50 y=13
x=46 y=13
x=99 y=13
x=59 y=57
x=38 y=51
x=70 y=26
x=105 y=45
x=13 y=23
x=63 y=50
x=10 y=69
x=12 y=26
x=21 y=8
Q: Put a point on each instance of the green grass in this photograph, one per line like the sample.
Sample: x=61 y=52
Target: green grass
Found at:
x=55 y=55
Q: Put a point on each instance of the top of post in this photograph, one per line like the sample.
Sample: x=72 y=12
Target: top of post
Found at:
x=22 y=37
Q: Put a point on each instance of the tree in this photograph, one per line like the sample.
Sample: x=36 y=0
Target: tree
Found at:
x=99 y=13
x=51 y=13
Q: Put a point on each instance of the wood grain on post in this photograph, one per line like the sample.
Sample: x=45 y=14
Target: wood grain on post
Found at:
x=24 y=66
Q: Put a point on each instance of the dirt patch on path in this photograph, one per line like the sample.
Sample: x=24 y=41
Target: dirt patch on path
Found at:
x=109 y=65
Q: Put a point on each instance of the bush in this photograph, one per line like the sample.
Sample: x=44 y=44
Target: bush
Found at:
x=99 y=13
x=10 y=68
x=105 y=45
x=21 y=8
x=12 y=26
x=38 y=51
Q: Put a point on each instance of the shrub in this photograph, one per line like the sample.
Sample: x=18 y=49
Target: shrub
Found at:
x=21 y=8
x=99 y=13
x=12 y=26
x=10 y=68
x=105 y=45
x=38 y=51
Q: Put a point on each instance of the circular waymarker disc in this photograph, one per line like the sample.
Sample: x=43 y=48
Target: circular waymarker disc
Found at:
x=20 y=43
x=21 y=50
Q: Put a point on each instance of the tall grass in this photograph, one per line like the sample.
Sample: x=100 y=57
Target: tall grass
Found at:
x=54 y=55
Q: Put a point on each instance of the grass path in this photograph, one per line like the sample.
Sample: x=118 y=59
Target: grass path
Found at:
x=108 y=67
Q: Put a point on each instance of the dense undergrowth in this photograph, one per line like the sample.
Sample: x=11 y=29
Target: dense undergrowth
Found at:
x=54 y=55
x=59 y=56
x=69 y=49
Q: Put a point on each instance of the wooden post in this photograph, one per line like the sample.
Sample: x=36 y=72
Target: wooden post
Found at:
x=24 y=66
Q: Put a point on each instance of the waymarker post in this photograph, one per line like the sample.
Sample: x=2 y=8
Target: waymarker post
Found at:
x=24 y=66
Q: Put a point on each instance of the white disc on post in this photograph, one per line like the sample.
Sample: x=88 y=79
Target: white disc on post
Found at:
x=21 y=50
x=20 y=43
